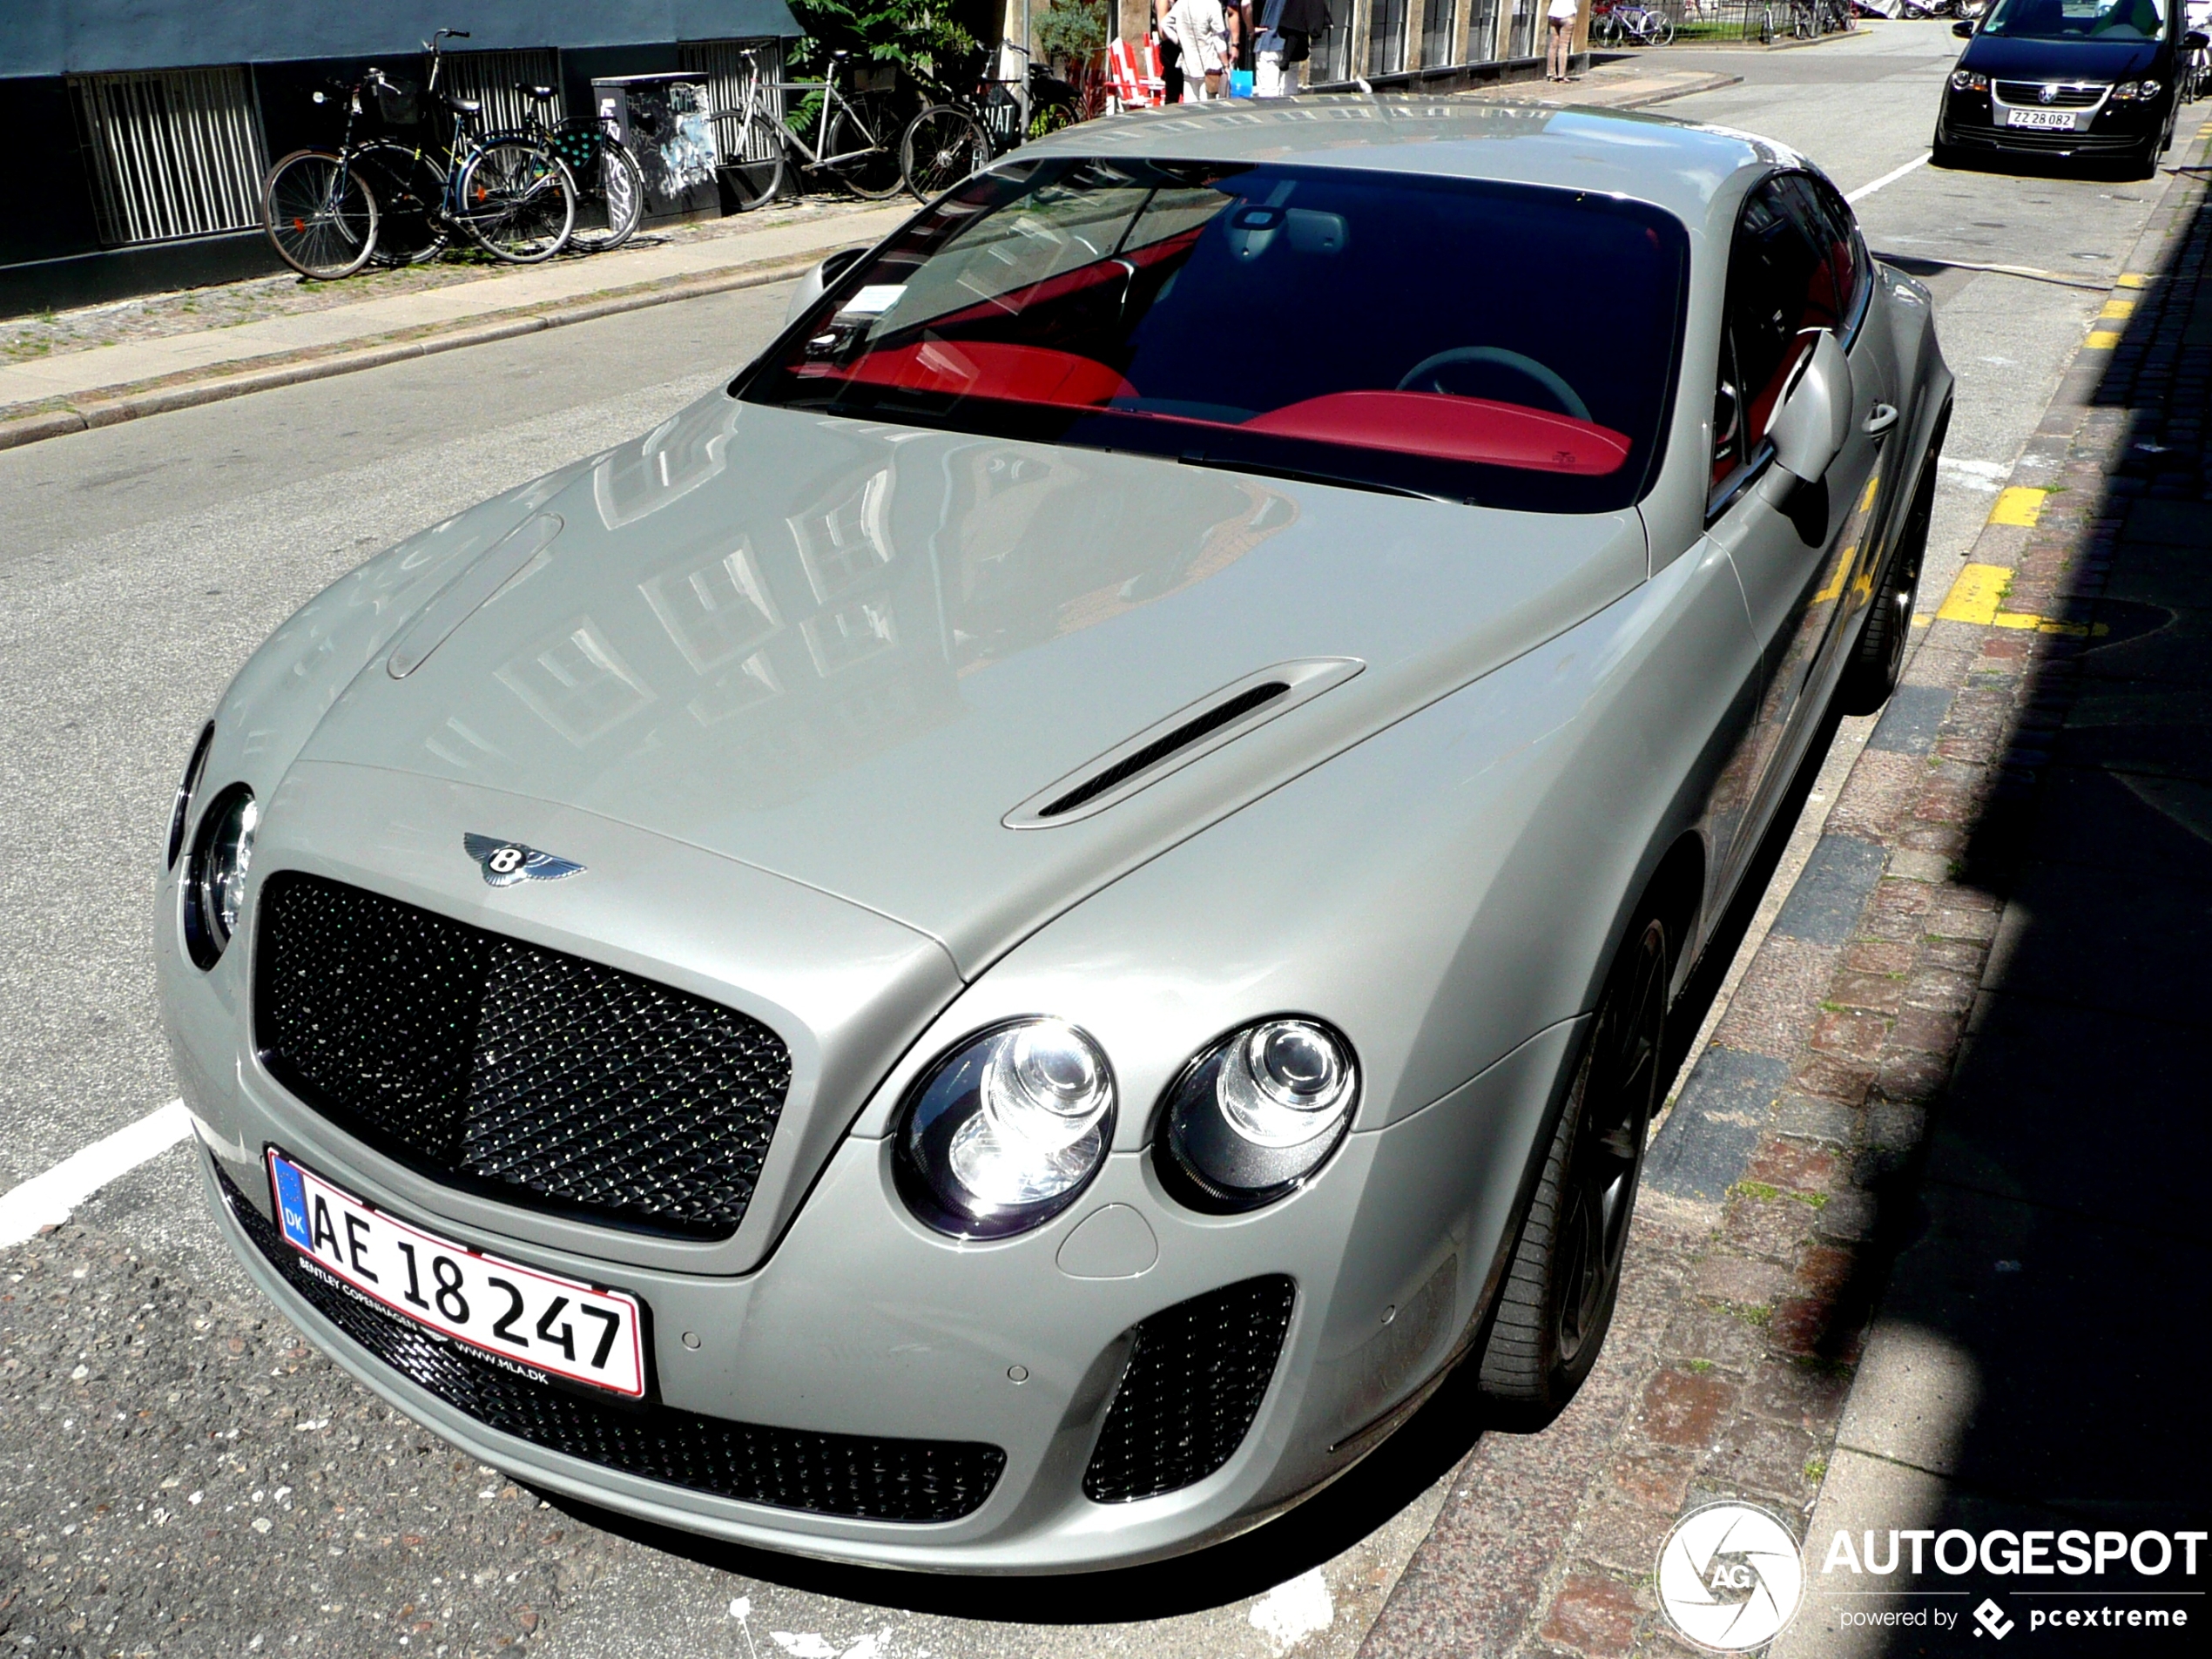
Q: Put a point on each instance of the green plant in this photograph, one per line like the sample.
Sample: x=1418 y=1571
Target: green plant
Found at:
x=1073 y=31
x=916 y=35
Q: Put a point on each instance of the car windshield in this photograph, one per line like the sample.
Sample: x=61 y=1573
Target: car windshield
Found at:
x=1503 y=344
x=2113 y=20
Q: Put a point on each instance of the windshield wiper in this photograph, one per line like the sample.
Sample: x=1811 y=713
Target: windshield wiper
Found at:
x=1316 y=475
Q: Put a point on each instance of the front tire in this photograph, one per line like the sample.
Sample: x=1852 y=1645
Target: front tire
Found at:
x=1558 y=1298
x=320 y=216
x=942 y=146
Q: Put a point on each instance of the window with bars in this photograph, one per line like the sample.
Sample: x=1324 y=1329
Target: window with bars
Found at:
x=492 y=77
x=730 y=66
x=174 y=153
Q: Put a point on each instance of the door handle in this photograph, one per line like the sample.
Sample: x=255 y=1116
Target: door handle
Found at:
x=1881 y=418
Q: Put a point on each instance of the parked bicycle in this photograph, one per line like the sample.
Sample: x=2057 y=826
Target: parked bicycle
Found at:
x=1632 y=25
x=330 y=212
x=610 y=185
x=953 y=137
x=856 y=140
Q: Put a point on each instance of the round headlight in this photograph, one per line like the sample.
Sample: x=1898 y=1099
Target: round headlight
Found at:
x=179 y=813
x=1006 y=1131
x=1253 y=1116
x=215 y=881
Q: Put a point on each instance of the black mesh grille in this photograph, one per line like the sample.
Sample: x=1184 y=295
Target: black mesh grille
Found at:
x=2029 y=94
x=537 y=1077
x=1195 y=1380
x=830 y=1475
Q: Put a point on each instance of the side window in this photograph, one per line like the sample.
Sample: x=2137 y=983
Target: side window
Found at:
x=1829 y=222
x=1779 y=286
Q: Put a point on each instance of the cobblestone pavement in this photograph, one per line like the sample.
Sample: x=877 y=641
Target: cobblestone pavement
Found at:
x=2002 y=933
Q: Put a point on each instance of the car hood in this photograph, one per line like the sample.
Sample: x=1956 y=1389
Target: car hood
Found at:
x=2060 y=60
x=844 y=651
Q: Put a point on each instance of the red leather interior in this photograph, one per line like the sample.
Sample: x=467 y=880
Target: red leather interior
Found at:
x=992 y=368
x=1452 y=428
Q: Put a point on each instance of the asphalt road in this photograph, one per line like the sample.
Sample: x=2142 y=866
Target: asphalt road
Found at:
x=179 y=1473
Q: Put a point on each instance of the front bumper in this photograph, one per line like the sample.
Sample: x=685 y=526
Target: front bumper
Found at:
x=859 y=1324
x=1976 y=122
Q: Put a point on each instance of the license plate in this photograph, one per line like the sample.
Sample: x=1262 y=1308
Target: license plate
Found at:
x=517 y=1314
x=2057 y=118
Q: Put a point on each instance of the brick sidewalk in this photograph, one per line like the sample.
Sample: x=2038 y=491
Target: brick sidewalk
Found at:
x=1798 y=1164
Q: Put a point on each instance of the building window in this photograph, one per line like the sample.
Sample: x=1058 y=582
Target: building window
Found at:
x=1386 y=37
x=1524 y=44
x=493 y=78
x=1437 y=46
x=1331 y=54
x=174 y=153
x=1482 y=31
x=729 y=67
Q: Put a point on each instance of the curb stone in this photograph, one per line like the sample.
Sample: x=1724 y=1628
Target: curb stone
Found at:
x=1758 y=1250
x=113 y=405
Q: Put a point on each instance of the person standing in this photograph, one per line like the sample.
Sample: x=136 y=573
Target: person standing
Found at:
x=1170 y=54
x=1560 y=52
x=1202 y=29
x=1286 y=31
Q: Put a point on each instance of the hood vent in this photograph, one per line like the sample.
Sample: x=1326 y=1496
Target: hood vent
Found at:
x=1182 y=737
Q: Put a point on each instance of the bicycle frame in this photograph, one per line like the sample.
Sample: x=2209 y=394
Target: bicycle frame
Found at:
x=832 y=100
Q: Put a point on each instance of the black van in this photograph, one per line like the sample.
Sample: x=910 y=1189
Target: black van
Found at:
x=2087 y=78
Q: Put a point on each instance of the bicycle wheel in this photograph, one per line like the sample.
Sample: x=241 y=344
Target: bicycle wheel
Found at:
x=611 y=201
x=941 y=147
x=1052 y=116
x=516 y=201
x=1766 y=26
x=864 y=133
x=408 y=186
x=1662 y=32
x=755 y=178
x=320 y=215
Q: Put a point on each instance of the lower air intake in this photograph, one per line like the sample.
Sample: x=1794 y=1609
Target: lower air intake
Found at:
x=827 y=1474
x=1195 y=1376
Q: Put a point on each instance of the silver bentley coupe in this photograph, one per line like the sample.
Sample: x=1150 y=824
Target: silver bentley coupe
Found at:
x=995 y=947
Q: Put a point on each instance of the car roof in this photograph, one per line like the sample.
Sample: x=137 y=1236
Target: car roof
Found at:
x=1677 y=166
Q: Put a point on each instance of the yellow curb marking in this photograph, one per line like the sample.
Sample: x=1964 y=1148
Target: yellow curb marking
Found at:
x=2028 y=621
x=1973 y=597
x=2118 y=308
x=2132 y=279
x=1922 y=620
x=2018 y=504
x=2103 y=340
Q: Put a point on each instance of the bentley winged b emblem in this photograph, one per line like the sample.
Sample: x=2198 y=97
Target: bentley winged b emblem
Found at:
x=507 y=862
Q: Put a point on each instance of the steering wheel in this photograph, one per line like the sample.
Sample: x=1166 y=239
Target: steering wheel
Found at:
x=1498 y=356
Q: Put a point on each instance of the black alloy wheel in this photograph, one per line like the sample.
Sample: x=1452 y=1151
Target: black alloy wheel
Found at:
x=1558 y=1298
x=1877 y=662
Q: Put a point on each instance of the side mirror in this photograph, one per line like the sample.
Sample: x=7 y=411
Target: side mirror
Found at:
x=816 y=282
x=2196 y=40
x=1811 y=420
x=1964 y=29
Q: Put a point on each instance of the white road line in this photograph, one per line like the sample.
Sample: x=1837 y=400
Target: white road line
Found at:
x=1889 y=178
x=47 y=1200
